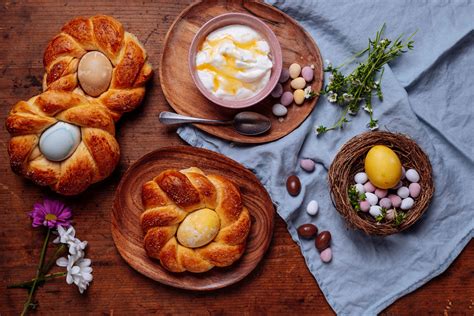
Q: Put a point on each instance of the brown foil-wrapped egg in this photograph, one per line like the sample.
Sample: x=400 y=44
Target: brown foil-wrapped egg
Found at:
x=94 y=73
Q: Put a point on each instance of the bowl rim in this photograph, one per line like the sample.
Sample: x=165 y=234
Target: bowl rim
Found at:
x=242 y=19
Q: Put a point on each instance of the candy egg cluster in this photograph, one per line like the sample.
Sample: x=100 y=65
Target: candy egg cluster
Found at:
x=322 y=240
x=300 y=77
x=386 y=203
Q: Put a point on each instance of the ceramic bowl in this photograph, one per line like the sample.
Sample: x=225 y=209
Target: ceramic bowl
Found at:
x=259 y=26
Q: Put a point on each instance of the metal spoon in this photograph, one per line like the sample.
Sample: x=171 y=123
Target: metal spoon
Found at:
x=245 y=123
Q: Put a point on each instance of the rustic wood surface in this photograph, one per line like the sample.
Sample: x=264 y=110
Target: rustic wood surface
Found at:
x=180 y=91
x=281 y=284
x=128 y=207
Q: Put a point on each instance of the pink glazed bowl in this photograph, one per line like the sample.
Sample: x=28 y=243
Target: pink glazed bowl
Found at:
x=259 y=26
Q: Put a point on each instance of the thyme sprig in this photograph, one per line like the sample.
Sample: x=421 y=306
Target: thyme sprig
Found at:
x=355 y=197
x=358 y=88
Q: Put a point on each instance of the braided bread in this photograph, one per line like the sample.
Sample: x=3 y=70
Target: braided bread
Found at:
x=192 y=221
x=106 y=35
x=85 y=116
x=94 y=158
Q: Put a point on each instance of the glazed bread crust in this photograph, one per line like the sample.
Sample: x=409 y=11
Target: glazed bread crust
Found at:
x=94 y=159
x=131 y=69
x=170 y=197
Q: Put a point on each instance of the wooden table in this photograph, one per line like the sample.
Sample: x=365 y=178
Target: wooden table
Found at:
x=281 y=284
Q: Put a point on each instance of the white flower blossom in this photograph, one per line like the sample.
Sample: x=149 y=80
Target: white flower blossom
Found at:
x=332 y=97
x=308 y=92
x=374 y=128
x=79 y=271
x=67 y=237
x=367 y=109
x=350 y=112
x=347 y=97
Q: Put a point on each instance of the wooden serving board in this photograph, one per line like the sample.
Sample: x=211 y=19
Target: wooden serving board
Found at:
x=183 y=96
x=127 y=232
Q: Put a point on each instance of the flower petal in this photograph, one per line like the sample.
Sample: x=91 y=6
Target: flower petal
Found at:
x=69 y=279
x=62 y=262
x=87 y=276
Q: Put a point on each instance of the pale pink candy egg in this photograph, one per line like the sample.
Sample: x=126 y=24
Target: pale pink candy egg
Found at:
x=385 y=203
x=415 y=189
x=286 y=98
x=381 y=193
x=364 y=206
x=369 y=187
x=326 y=255
x=395 y=199
x=307 y=73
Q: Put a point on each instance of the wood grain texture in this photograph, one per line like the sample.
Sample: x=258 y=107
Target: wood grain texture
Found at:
x=281 y=284
x=127 y=232
x=184 y=97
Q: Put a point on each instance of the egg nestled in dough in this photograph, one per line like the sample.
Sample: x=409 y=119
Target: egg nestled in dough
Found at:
x=198 y=228
x=94 y=73
x=59 y=141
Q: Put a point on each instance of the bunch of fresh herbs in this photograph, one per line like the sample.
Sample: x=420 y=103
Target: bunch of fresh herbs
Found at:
x=357 y=89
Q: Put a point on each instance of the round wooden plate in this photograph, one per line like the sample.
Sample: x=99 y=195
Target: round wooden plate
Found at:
x=128 y=236
x=184 y=97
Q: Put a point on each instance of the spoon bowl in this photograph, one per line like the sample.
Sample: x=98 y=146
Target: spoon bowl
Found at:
x=245 y=123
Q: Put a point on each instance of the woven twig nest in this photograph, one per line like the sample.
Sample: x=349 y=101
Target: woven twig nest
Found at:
x=350 y=160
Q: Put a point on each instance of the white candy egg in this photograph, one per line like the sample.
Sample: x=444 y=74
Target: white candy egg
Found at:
x=279 y=110
x=407 y=203
x=59 y=141
x=361 y=178
x=403 y=192
x=412 y=175
x=375 y=210
x=371 y=198
x=360 y=188
x=312 y=208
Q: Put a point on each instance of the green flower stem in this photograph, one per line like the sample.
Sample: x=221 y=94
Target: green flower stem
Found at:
x=28 y=303
x=42 y=279
x=59 y=252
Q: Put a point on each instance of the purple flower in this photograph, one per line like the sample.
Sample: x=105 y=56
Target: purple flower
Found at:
x=51 y=214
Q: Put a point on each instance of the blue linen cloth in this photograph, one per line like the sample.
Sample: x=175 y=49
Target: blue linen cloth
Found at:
x=428 y=94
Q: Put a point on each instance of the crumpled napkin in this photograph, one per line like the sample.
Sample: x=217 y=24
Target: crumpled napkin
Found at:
x=428 y=95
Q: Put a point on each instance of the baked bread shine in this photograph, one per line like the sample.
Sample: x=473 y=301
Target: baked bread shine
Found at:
x=192 y=221
x=104 y=34
x=93 y=160
x=115 y=70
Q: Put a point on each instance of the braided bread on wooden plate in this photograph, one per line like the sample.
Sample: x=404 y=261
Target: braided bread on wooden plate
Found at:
x=192 y=221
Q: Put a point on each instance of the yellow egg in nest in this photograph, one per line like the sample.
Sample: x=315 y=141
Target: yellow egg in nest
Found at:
x=383 y=167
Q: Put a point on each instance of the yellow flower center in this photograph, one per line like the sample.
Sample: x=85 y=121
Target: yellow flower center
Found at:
x=50 y=217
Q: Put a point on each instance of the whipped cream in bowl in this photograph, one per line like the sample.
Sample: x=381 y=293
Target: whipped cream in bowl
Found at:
x=235 y=60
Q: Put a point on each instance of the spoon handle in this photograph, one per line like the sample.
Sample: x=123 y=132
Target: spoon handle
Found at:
x=169 y=118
